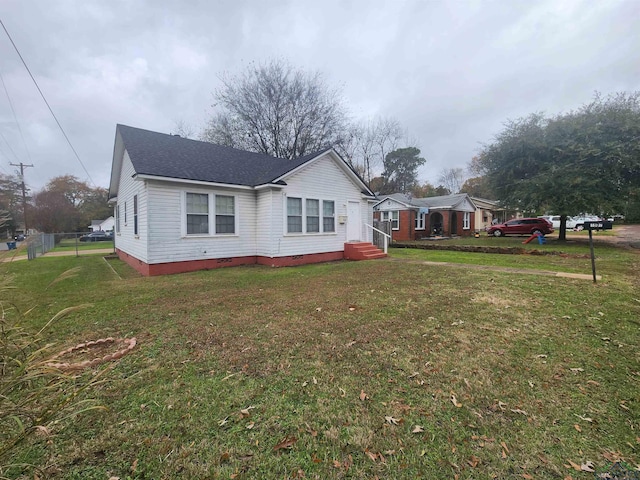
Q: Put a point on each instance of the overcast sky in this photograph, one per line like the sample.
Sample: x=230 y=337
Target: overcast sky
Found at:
x=452 y=72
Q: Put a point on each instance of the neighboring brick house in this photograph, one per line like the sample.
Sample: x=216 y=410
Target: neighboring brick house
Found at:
x=416 y=218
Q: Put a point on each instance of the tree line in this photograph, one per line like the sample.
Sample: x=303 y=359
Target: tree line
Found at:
x=587 y=160
x=65 y=204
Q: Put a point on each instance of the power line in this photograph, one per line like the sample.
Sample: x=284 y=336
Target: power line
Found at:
x=47 y=103
x=15 y=117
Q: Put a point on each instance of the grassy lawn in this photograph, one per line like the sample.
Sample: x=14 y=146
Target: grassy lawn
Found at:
x=381 y=369
x=70 y=245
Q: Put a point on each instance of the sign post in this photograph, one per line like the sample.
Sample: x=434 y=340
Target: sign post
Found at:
x=591 y=226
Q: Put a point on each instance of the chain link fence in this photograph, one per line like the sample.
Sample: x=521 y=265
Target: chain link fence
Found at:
x=65 y=244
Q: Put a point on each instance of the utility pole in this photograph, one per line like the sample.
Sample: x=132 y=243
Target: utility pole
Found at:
x=24 y=193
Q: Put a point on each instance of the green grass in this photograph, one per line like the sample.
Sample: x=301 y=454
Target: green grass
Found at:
x=354 y=365
x=70 y=245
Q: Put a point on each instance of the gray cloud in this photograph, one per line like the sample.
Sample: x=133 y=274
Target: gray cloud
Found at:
x=451 y=72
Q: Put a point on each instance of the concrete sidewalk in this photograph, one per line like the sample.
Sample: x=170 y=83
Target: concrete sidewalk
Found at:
x=17 y=255
x=521 y=271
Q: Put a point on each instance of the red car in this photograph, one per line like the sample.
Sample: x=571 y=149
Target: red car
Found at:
x=521 y=226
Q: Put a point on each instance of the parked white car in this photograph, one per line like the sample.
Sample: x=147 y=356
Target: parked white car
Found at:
x=579 y=221
x=555 y=221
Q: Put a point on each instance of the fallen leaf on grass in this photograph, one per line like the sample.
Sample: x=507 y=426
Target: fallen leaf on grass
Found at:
x=527 y=476
x=504 y=446
x=587 y=467
x=224 y=457
x=473 y=461
x=577 y=370
x=393 y=421
x=577 y=427
x=454 y=400
x=517 y=410
x=287 y=443
x=246 y=411
x=586 y=419
x=542 y=355
x=573 y=465
x=418 y=429
x=363 y=396
x=343 y=393
x=224 y=421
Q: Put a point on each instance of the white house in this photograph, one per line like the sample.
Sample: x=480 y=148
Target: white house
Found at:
x=183 y=205
x=105 y=225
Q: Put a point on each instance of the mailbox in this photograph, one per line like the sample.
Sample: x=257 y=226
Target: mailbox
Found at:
x=598 y=225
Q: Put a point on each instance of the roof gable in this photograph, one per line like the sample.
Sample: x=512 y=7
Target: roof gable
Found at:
x=173 y=157
x=460 y=202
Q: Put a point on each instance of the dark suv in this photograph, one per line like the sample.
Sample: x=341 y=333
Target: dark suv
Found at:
x=521 y=226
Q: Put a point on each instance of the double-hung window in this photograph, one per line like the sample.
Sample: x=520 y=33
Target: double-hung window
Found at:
x=135 y=214
x=313 y=216
x=117 y=218
x=420 y=220
x=310 y=215
x=294 y=215
x=197 y=213
x=466 y=221
x=225 y=214
x=209 y=214
x=328 y=216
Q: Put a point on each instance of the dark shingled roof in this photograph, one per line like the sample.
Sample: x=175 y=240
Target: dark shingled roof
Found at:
x=171 y=156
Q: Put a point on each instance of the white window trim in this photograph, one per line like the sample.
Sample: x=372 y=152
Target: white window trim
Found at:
x=466 y=221
x=389 y=215
x=212 y=215
x=304 y=232
x=420 y=220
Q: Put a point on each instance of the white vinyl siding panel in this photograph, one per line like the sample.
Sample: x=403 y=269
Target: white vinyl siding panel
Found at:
x=322 y=180
x=167 y=217
x=127 y=240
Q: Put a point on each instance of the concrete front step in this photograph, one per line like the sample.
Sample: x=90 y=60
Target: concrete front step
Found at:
x=362 y=251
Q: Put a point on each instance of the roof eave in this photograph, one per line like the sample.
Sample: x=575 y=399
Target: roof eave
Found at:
x=142 y=176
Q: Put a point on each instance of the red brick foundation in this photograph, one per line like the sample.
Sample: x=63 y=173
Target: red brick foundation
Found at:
x=209 y=264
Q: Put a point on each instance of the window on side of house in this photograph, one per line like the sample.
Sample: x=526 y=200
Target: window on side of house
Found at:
x=420 y=221
x=225 y=214
x=117 y=218
x=313 y=215
x=466 y=221
x=135 y=214
x=328 y=216
x=294 y=215
x=125 y=214
x=197 y=210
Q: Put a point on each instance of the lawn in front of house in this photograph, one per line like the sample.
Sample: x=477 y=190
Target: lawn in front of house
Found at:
x=383 y=369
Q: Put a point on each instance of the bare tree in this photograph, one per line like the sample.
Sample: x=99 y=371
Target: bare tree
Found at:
x=275 y=109
x=183 y=129
x=452 y=179
x=368 y=143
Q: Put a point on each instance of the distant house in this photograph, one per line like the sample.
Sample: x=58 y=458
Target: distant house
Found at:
x=487 y=213
x=183 y=205
x=416 y=218
x=102 y=225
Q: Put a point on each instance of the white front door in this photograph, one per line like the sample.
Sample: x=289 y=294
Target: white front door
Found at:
x=354 y=225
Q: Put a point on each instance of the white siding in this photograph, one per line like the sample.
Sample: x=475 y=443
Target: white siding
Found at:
x=390 y=205
x=323 y=179
x=134 y=245
x=268 y=221
x=167 y=242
